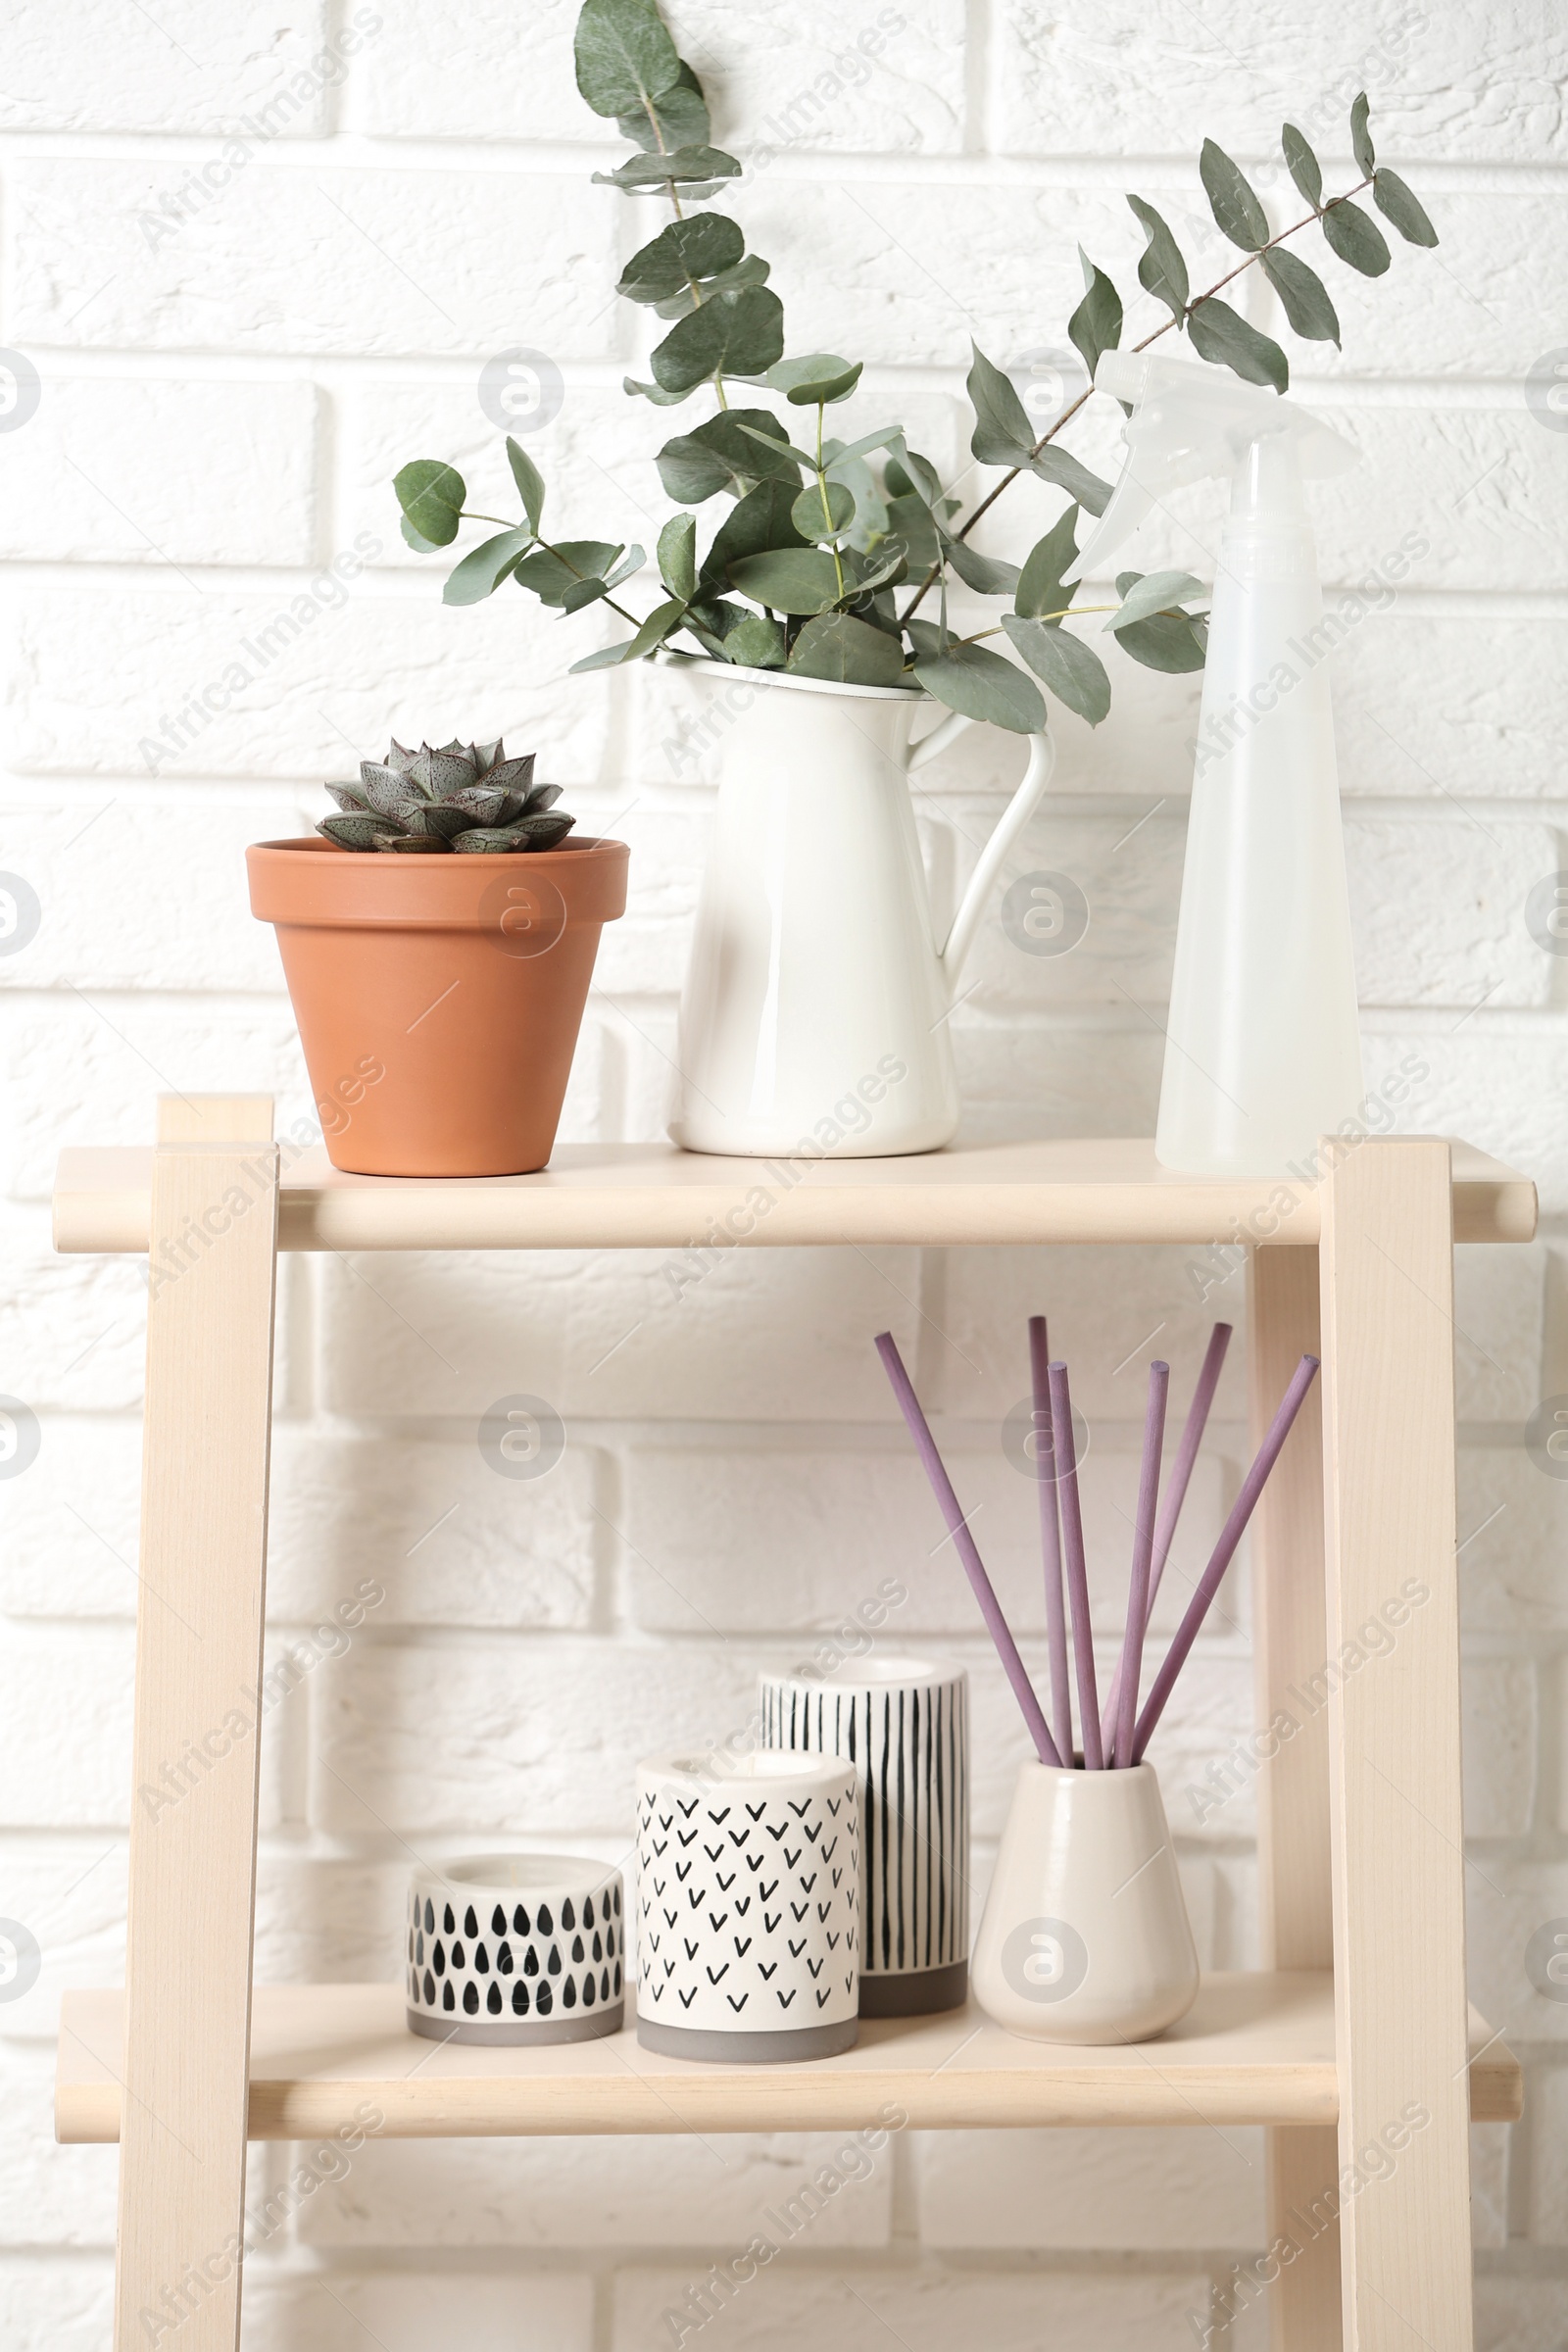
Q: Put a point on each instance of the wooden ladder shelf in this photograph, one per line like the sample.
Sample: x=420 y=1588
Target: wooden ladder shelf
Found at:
x=1357 y=2029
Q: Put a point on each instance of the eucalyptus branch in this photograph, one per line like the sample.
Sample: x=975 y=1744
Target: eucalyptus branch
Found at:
x=1071 y=410
x=800 y=575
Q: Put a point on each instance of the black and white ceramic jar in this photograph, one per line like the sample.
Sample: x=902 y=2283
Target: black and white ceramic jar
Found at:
x=905 y=1724
x=516 y=1948
x=747 y=1907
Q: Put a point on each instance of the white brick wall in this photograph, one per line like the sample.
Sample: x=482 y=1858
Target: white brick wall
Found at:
x=224 y=400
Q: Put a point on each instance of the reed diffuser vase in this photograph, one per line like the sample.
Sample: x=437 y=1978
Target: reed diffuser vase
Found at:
x=1084 y=1937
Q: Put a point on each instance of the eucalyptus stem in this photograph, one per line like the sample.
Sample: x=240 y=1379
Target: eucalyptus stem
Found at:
x=821 y=492
x=1071 y=410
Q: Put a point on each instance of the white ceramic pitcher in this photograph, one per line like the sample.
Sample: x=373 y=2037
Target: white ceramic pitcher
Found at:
x=815 y=1010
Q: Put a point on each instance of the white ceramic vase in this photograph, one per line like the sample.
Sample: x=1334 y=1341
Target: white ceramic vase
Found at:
x=814 y=1016
x=1084 y=1937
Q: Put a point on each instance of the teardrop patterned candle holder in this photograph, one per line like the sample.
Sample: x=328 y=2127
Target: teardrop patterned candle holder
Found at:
x=516 y=1948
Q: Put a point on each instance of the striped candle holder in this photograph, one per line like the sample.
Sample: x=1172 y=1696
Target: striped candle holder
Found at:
x=905 y=1724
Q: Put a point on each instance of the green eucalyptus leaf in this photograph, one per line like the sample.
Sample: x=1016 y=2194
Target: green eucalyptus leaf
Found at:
x=1096 y=324
x=716 y=615
x=698 y=247
x=420 y=545
x=654 y=629
x=553 y=572
x=757 y=643
x=1003 y=434
x=1059 y=467
x=983 y=685
x=752 y=271
x=809 y=518
x=884 y=566
x=1301 y=164
x=730 y=452
x=1154 y=592
x=919 y=472
x=1304 y=296
x=986 y=575
x=733 y=334
x=484 y=567
x=1357 y=238
x=677 y=117
x=655 y=394
x=837 y=646
x=758 y=522
x=625 y=56
x=1161 y=271
x=1221 y=334
x=1073 y=671
x=802 y=457
x=870 y=519
x=1173 y=642
x=431 y=495
x=866 y=443
x=582 y=593
x=632 y=561
x=1360 y=136
x=1040 y=591
x=817 y=379
x=909 y=521
x=677 y=555
x=530 y=483
x=788 y=579
x=1232 y=199
x=701 y=167
x=1395 y=203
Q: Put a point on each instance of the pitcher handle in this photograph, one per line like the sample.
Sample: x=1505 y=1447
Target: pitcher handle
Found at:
x=1019 y=809
x=936 y=741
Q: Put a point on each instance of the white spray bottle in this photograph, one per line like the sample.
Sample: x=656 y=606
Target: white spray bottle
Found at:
x=1262 y=1052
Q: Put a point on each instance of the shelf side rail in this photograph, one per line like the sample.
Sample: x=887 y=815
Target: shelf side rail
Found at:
x=212 y=1281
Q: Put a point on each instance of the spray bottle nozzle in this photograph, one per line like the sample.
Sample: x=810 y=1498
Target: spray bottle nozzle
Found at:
x=1190 y=422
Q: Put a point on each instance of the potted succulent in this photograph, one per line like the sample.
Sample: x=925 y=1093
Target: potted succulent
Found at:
x=438 y=937
x=820 y=604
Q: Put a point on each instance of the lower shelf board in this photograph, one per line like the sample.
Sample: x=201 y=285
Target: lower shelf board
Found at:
x=1253 y=2049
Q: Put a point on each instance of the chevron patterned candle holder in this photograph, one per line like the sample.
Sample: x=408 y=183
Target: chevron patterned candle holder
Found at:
x=747 y=1907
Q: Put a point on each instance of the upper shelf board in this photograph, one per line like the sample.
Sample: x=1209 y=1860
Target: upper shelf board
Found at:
x=650 y=1196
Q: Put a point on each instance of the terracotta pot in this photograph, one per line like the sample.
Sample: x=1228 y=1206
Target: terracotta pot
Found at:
x=438 y=997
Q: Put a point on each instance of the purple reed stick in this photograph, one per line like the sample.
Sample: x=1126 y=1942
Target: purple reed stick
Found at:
x=964 y=1543
x=1132 y=1648
x=1219 y=1338
x=1073 y=1533
x=1051 y=1537
x=1231 y=1533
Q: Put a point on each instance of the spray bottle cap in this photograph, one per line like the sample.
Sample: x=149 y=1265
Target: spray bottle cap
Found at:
x=1190 y=422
